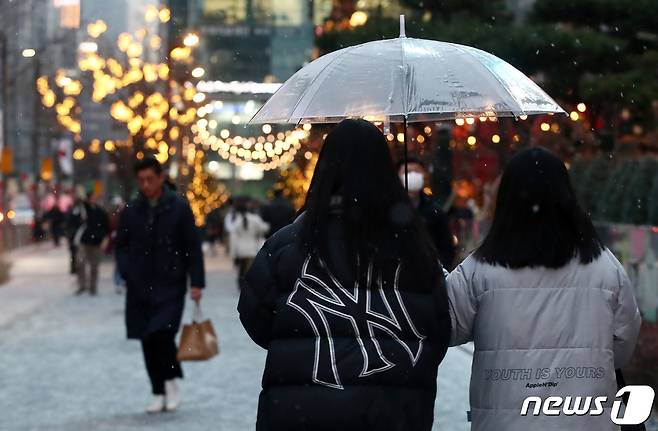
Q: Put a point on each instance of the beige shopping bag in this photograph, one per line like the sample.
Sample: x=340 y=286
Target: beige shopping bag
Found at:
x=198 y=341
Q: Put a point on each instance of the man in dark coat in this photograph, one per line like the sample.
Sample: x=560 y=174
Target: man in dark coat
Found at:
x=435 y=219
x=158 y=247
x=278 y=213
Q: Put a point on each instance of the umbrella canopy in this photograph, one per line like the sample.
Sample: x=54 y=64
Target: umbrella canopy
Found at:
x=405 y=79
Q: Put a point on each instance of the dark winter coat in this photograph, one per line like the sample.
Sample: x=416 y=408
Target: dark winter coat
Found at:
x=96 y=224
x=439 y=228
x=342 y=356
x=157 y=249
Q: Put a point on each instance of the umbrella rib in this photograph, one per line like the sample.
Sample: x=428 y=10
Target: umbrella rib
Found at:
x=496 y=77
x=405 y=108
x=315 y=78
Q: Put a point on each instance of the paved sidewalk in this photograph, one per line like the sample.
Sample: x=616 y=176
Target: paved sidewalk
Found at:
x=39 y=275
x=65 y=364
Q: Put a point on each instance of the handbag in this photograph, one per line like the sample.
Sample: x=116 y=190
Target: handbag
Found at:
x=620 y=384
x=198 y=341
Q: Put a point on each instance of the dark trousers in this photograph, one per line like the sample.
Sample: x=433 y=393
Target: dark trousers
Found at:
x=160 y=357
x=74 y=260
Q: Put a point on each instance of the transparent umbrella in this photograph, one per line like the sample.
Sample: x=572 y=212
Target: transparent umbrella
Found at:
x=405 y=80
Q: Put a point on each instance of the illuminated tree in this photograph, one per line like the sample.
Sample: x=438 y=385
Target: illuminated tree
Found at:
x=295 y=180
x=61 y=93
x=138 y=86
x=204 y=192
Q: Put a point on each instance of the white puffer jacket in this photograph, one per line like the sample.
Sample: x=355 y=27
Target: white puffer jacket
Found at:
x=543 y=332
x=244 y=242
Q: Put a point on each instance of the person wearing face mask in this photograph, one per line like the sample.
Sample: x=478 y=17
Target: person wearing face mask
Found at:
x=435 y=219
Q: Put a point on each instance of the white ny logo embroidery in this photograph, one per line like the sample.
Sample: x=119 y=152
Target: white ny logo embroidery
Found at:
x=314 y=299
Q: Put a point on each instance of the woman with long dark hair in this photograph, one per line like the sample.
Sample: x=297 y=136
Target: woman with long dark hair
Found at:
x=349 y=300
x=551 y=310
x=246 y=231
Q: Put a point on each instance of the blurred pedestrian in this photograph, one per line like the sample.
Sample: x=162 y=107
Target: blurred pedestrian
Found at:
x=430 y=211
x=72 y=222
x=541 y=295
x=278 y=213
x=115 y=215
x=246 y=231
x=89 y=238
x=55 y=219
x=214 y=229
x=349 y=300
x=158 y=248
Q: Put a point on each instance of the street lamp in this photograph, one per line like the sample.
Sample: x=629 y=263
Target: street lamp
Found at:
x=29 y=53
x=191 y=40
x=88 y=47
x=198 y=72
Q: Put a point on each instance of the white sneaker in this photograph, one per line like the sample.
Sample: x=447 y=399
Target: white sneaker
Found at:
x=172 y=395
x=157 y=404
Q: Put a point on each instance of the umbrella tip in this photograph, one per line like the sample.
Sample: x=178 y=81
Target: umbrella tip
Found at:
x=402 y=29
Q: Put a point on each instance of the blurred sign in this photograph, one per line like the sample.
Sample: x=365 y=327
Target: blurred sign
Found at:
x=64 y=149
x=7 y=161
x=235 y=31
x=237 y=87
x=98 y=188
x=65 y=3
x=47 y=169
x=249 y=172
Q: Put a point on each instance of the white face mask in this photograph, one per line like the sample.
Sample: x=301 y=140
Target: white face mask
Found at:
x=415 y=181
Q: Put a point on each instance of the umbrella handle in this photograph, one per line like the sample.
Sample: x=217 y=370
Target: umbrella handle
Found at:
x=406 y=148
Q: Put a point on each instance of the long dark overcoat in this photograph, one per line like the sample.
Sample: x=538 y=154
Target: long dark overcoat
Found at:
x=158 y=248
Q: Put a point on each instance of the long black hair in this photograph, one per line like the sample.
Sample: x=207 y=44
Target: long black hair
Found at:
x=538 y=221
x=240 y=208
x=355 y=175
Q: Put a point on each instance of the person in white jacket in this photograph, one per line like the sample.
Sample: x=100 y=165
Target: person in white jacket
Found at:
x=550 y=310
x=246 y=231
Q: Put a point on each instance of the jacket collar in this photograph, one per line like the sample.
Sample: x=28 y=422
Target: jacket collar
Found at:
x=164 y=203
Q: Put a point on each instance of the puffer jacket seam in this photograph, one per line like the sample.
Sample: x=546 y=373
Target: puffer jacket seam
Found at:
x=543 y=288
x=543 y=348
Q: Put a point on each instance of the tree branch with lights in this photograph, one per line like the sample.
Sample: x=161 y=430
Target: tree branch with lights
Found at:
x=140 y=89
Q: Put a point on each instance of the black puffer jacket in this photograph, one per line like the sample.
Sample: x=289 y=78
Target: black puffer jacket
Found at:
x=342 y=355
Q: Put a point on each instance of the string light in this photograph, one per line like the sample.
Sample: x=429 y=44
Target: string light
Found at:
x=265 y=152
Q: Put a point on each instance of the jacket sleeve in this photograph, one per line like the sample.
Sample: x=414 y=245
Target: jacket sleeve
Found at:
x=122 y=244
x=192 y=249
x=258 y=299
x=463 y=305
x=627 y=320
